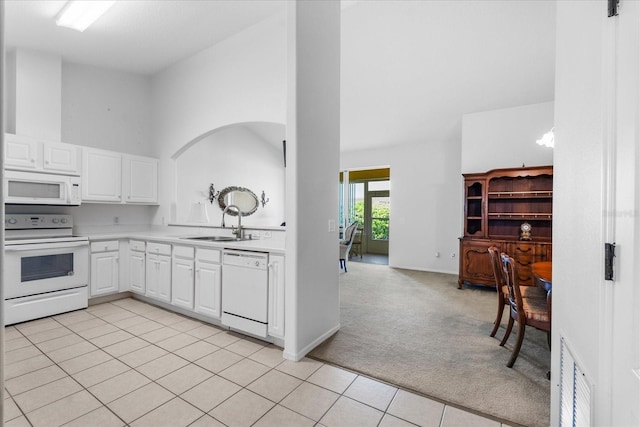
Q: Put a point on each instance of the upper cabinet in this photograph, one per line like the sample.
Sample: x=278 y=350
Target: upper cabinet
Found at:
x=499 y=202
x=140 y=179
x=112 y=177
x=101 y=176
x=24 y=153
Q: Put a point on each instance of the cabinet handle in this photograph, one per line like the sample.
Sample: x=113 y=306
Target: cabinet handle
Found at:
x=33 y=160
x=46 y=162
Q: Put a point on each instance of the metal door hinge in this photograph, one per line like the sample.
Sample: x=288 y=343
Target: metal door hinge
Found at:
x=612 y=9
x=609 y=254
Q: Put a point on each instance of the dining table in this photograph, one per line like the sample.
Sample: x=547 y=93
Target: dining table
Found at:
x=542 y=274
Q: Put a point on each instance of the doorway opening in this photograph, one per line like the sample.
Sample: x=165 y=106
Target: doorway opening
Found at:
x=365 y=199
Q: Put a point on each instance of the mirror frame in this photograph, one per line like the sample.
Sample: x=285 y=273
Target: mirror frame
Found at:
x=231 y=212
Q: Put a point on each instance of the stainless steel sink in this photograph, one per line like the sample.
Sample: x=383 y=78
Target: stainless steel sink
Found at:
x=213 y=238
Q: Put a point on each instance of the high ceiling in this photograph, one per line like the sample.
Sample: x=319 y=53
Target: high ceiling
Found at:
x=141 y=36
x=410 y=69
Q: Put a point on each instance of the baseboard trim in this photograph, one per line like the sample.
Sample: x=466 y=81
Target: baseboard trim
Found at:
x=297 y=356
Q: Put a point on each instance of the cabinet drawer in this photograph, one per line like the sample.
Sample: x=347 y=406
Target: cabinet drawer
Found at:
x=137 y=245
x=210 y=255
x=106 y=246
x=158 y=248
x=183 y=251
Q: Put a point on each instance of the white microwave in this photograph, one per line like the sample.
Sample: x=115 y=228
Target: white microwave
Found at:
x=31 y=188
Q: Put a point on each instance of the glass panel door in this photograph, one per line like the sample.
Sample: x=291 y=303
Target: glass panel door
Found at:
x=377 y=223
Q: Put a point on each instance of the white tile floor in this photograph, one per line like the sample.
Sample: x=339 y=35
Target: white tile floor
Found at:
x=130 y=363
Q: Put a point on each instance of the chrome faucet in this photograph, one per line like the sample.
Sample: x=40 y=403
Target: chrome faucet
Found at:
x=236 y=231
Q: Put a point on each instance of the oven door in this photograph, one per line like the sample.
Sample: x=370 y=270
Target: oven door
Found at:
x=36 y=268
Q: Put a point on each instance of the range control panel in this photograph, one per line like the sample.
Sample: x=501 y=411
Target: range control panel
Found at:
x=38 y=221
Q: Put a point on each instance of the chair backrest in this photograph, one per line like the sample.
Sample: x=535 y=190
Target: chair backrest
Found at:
x=350 y=233
x=496 y=265
x=511 y=280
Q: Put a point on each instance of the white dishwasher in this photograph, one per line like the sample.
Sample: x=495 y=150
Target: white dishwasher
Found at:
x=245 y=284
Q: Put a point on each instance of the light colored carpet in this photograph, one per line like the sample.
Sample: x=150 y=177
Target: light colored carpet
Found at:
x=417 y=330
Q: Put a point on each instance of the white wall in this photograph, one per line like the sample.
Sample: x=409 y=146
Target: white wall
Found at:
x=106 y=109
x=313 y=153
x=241 y=79
x=234 y=156
x=506 y=138
x=426 y=202
x=111 y=110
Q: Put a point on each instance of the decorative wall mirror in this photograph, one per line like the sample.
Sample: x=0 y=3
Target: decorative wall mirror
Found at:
x=241 y=197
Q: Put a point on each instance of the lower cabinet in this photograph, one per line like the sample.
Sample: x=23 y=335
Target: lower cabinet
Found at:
x=475 y=264
x=276 y=296
x=208 y=280
x=158 y=271
x=182 y=277
x=105 y=268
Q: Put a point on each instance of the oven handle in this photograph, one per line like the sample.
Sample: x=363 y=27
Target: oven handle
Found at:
x=38 y=246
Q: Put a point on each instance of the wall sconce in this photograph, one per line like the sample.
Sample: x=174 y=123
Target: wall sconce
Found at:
x=263 y=199
x=213 y=194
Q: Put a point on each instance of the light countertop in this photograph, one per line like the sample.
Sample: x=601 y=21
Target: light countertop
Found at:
x=178 y=237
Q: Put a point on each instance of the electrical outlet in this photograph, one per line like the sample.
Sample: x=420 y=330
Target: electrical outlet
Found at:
x=266 y=234
x=116 y=220
x=332 y=225
x=255 y=235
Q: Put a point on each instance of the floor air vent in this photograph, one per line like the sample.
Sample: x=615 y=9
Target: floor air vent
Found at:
x=575 y=391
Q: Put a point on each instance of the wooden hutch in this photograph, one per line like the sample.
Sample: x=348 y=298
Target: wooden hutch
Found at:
x=496 y=204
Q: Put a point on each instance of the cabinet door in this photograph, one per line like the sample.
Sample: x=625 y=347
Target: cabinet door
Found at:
x=101 y=175
x=276 y=296
x=182 y=283
x=164 y=278
x=152 y=270
x=60 y=157
x=140 y=179
x=20 y=152
x=104 y=273
x=137 y=272
x=475 y=263
x=207 y=289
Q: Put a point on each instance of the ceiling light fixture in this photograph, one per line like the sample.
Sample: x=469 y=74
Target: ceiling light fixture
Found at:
x=79 y=14
x=547 y=139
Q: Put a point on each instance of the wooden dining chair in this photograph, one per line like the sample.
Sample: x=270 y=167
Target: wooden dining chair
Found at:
x=524 y=311
x=503 y=292
x=501 y=287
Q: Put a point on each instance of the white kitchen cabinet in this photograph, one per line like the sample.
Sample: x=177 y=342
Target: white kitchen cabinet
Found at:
x=21 y=152
x=59 y=157
x=24 y=153
x=208 y=283
x=105 y=269
x=101 y=176
x=182 y=277
x=158 y=271
x=276 y=296
x=140 y=179
x=137 y=266
x=112 y=177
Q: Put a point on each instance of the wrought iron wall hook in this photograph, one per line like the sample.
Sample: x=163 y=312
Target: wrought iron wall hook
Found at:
x=263 y=199
x=213 y=194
